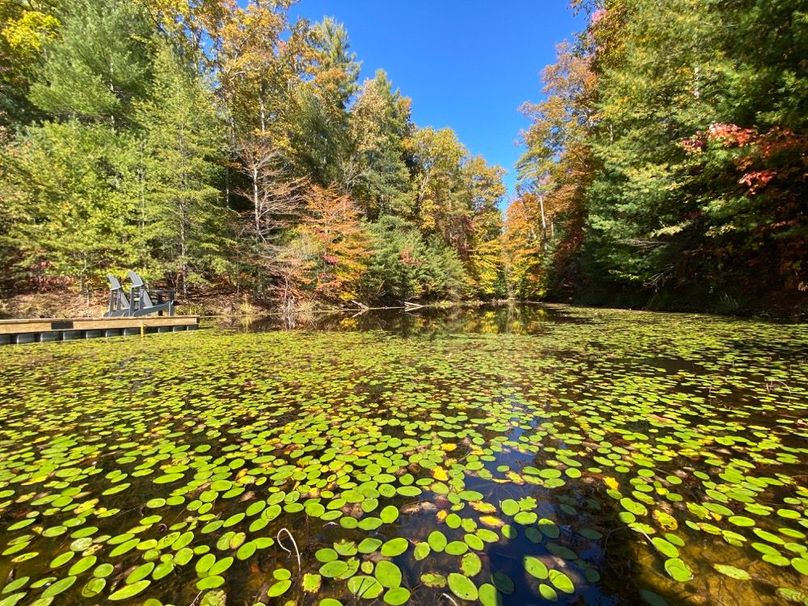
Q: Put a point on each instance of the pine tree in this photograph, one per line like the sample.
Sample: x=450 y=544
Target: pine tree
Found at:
x=321 y=141
x=99 y=65
x=377 y=170
x=186 y=223
x=63 y=192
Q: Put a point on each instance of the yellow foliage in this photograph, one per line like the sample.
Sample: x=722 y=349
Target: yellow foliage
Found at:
x=666 y=521
x=27 y=35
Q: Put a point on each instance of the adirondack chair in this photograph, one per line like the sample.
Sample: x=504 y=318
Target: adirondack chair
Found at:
x=141 y=301
x=118 y=303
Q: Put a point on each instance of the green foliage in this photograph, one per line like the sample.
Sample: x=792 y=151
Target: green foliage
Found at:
x=205 y=132
x=404 y=266
x=62 y=190
x=320 y=139
x=183 y=221
x=98 y=65
x=377 y=170
x=673 y=135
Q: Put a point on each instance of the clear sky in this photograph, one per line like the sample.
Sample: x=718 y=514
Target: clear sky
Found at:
x=466 y=64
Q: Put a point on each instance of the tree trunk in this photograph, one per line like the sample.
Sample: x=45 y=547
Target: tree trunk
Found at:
x=256 y=202
x=183 y=250
x=543 y=223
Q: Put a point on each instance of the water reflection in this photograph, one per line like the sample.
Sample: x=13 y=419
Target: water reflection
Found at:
x=483 y=319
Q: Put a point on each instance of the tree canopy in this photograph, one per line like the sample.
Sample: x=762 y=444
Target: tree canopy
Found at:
x=221 y=144
x=668 y=158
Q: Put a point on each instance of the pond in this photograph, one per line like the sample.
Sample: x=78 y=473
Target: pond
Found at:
x=514 y=455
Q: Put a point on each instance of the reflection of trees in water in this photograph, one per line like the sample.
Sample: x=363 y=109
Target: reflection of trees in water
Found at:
x=485 y=319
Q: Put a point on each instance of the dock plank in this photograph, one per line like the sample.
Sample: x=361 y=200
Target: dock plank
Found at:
x=29 y=325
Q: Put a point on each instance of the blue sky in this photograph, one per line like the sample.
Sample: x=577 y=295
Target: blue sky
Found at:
x=466 y=64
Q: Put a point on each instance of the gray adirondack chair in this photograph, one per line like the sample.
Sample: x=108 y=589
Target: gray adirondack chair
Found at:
x=118 y=303
x=141 y=301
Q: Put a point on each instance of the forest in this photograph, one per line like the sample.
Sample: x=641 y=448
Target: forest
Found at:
x=219 y=146
x=667 y=164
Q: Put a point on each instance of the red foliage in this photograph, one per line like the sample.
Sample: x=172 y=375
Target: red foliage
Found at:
x=731 y=134
x=757 y=180
x=759 y=161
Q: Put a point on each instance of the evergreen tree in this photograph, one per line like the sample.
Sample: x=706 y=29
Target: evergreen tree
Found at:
x=63 y=194
x=186 y=223
x=321 y=139
x=377 y=170
x=99 y=65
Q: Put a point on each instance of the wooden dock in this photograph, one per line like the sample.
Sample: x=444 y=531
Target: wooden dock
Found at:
x=38 y=330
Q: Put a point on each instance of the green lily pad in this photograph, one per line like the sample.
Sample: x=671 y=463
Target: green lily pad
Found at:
x=732 y=572
x=129 y=591
x=678 y=570
x=462 y=586
x=394 y=547
x=388 y=574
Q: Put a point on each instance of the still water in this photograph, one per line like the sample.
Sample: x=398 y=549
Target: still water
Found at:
x=511 y=455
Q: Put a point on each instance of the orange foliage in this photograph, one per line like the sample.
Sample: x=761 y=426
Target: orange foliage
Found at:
x=340 y=243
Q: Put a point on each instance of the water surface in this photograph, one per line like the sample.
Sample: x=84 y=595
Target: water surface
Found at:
x=514 y=455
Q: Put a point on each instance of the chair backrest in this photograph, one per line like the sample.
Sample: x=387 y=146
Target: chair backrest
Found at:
x=135 y=279
x=137 y=282
x=113 y=282
x=118 y=300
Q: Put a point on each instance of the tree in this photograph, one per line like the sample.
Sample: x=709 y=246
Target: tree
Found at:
x=555 y=172
x=62 y=192
x=404 y=266
x=185 y=222
x=522 y=249
x=438 y=156
x=70 y=219
x=258 y=61
x=377 y=169
x=321 y=139
x=25 y=29
x=99 y=65
x=339 y=244
x=666 y=158
x=484 y=261
x=220 y=141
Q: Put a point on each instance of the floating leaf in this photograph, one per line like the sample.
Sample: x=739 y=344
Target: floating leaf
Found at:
x=462 y=586
x=437 y=541
x=60 y=586
x=536 y=567
x=396 y=596
x=732 y=572
x=311 y=582
x=388 y=574
x=471 y=564
x=129 y=591
x=394 y=547
x=365 y=587
x=561 y=581
x=678 y=570
x=434 y=580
